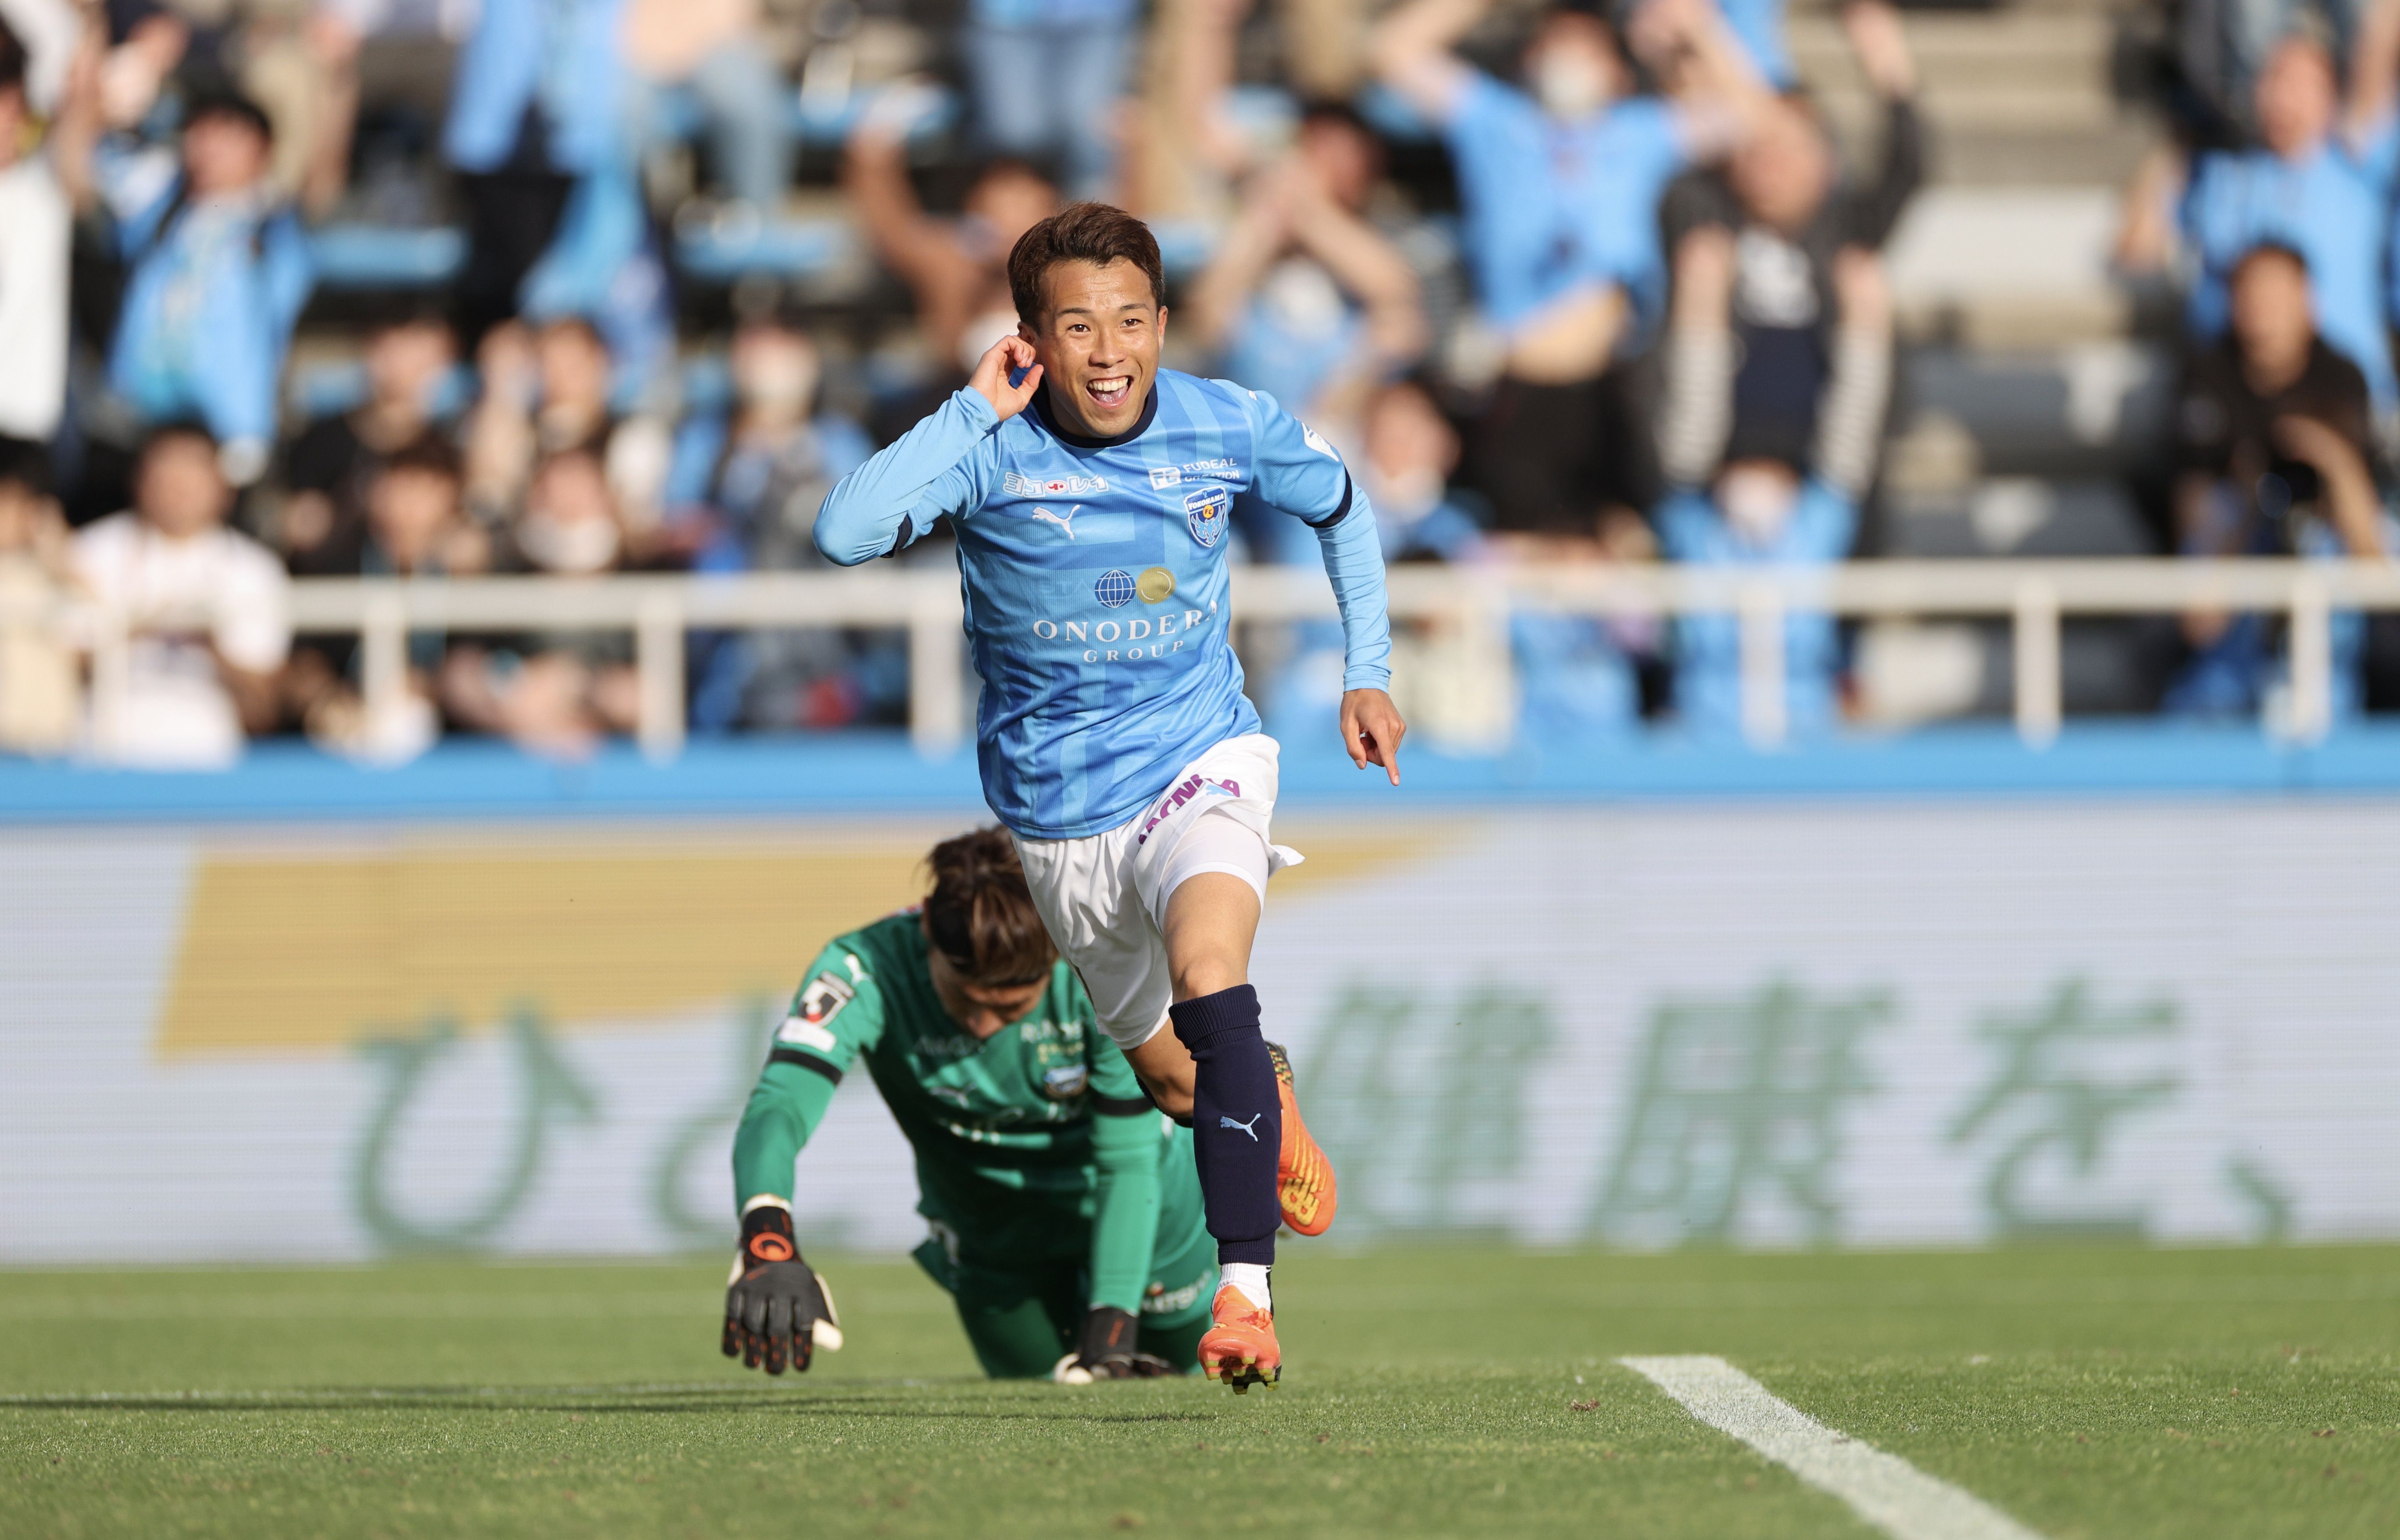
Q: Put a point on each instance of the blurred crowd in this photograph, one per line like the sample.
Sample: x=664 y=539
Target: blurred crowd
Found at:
x=1579 y=284
x=2272 y=206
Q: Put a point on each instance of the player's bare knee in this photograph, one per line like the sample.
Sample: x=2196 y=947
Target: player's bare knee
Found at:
x=1211 y=920
x=1206 y=971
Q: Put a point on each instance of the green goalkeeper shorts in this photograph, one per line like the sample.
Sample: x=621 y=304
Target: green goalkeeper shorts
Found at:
x=1021 y=1321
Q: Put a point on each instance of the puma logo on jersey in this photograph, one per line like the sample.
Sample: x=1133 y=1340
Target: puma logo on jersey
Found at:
x=1043 y=516
x=1250 y=1127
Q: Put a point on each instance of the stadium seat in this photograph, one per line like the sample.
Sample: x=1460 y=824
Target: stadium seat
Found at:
x=371 y=257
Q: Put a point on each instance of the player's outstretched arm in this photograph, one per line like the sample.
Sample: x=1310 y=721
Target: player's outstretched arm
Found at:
x=1125 y=1225
x=896 y=496
x=777 y=1311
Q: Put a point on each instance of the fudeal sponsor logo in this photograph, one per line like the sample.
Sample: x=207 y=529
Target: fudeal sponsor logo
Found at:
x=1221 y=469
x=1017 y=486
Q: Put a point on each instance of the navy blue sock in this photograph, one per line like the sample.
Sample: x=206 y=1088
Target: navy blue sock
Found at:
x=1236 y=1121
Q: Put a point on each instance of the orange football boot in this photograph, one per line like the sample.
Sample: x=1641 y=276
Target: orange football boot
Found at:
x=1304 y=1184
x=1240 y=1348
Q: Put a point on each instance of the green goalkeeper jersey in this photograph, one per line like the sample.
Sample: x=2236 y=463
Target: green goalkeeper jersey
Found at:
x=1034 y=1146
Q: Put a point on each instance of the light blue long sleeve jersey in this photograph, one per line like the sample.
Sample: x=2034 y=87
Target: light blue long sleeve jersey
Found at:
x=1094 y=580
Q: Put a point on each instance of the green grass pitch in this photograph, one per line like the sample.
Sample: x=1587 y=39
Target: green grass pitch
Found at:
x=2088 y=1392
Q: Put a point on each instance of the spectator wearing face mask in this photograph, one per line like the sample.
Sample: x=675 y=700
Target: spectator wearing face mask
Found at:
x=1757 y=494
x=743 y=493
x=205 y=608
x=216 y=272
x=1304 y=298
x=2277 y=459
x=555 y=692
x=550 y=389
x=1561 y=180
x=2321 y=183
x=1407 y=452
x=329 y=468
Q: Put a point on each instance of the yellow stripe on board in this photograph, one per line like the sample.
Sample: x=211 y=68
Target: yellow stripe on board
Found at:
x=316 y=951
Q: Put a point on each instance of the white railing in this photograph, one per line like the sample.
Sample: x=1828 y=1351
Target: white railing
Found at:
x=2035 y=596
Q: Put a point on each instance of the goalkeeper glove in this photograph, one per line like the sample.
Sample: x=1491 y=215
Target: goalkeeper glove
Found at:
x=777 y=1310
x=1107 y=1351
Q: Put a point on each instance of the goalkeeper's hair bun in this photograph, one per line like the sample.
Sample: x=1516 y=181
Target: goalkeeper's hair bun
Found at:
x=980 y=913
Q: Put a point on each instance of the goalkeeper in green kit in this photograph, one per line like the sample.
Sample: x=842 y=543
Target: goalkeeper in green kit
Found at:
x=1065 y=1210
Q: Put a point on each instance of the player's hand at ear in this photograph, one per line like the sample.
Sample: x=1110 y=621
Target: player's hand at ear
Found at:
x=992 y=372
x=1371 y=730
x=777 y=1311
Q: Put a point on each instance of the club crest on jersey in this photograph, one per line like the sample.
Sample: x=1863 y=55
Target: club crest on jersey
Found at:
x=1204 y=514
x=1065 y=1081
x=1050 y=486
x=1114 y=589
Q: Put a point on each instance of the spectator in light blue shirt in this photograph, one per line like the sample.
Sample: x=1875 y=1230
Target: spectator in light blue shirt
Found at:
x=1045 y=77
x=539 y=113
x=743 y=492
x=2320 y=184
x=1561 y=182
x=217 y=271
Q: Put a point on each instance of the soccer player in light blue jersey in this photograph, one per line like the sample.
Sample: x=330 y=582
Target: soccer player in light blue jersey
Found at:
x=1091 y=492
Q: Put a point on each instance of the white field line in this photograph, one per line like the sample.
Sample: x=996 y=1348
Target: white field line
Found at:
x=1886 y=1491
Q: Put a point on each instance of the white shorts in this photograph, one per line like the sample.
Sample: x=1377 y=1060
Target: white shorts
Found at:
x=1104 y=896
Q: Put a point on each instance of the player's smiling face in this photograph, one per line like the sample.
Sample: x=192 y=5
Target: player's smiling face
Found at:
x=1099 y=345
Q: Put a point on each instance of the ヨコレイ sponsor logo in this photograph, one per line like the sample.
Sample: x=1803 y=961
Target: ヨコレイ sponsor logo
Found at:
x=1017 y=486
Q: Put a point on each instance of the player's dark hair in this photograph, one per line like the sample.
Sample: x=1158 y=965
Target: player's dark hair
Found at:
x=1100 y=233
x=980 y=915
